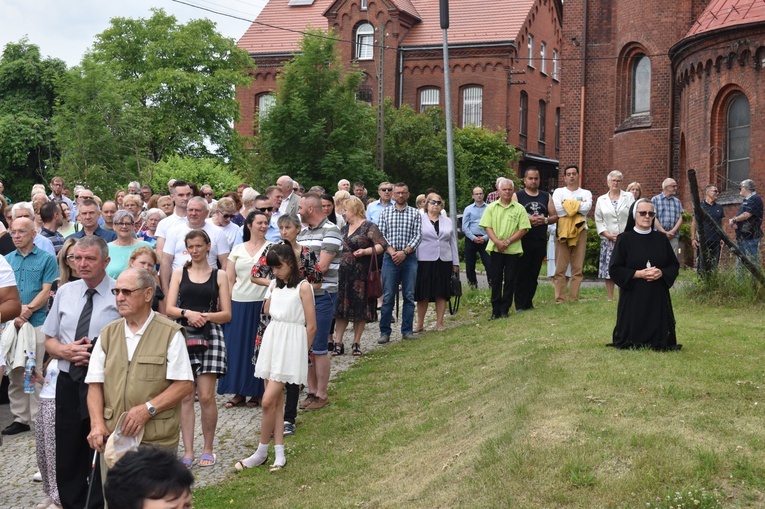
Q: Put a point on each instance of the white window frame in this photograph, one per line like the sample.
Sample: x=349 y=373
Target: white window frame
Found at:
x=265 y=103
x=530 y=47
x=363 y=5
x=472 y=106
x=430 y=97
x=556 y=65
x=365 y=42
x=523 y=114
x=543 y=58
x=640 y=99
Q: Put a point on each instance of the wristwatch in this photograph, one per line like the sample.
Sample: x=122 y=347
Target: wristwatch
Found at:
x=183 y=313
x=151 y=408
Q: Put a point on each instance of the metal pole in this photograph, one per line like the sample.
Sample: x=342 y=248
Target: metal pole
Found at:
x=449 y=136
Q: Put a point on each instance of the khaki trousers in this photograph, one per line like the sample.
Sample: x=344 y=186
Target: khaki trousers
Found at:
x=563 y=256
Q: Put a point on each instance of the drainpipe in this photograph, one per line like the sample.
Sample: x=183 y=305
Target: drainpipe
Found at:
x=583 y=93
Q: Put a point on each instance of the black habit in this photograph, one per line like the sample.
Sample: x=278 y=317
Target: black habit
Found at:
x=644 y=317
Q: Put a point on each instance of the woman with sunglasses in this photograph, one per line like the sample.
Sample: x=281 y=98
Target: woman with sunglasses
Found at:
x=644 y=266
x=220 y=215
x=437 y=259
x=121 y=248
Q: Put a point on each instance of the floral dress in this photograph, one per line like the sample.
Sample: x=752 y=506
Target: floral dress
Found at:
x=352 y=300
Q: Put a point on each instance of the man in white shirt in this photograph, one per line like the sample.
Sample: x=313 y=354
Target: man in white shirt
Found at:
x=181 y=193
x=142 y=396
x=174 y=253
x=570 y=201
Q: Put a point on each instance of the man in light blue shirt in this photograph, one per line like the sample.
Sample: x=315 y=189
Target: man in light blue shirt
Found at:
x=385 y=190
x=475 y=237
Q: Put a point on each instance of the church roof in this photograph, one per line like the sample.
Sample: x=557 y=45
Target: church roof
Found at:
x=721 y=14
x=279 y=26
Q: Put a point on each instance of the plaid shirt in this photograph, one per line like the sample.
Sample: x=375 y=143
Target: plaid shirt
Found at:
x=492 y=197
x=668 y=211
x=401 y=228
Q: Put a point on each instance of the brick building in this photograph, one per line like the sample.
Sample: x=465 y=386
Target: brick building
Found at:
x=653 y=88
x=504 y=58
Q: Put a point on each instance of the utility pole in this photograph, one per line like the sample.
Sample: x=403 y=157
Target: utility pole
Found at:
x=444 y=7
x=381 y=102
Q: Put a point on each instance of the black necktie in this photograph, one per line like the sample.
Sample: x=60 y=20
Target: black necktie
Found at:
x=77 y=373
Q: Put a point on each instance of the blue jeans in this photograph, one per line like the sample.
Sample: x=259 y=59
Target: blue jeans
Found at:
x=325 y=312
x=392 y=274
x=751 y=248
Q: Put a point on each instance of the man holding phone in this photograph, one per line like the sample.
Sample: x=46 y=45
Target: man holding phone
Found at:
x=80 y=310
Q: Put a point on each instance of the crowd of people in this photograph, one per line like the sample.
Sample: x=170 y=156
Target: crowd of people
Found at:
x=251 y=295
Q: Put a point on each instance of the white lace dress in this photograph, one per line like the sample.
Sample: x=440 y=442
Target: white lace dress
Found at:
x=283 y=353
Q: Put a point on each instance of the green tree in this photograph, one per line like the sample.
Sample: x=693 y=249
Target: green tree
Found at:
x=480 y=157
x=415 y=148
x=200 y=170
x=149 y=89
x=317 y=132
x=415 y=153
x=27 y=95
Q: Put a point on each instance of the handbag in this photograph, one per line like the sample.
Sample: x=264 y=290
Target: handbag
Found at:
x=198 y=338
x=456 y=293
x=456 y=285
x=374 y=279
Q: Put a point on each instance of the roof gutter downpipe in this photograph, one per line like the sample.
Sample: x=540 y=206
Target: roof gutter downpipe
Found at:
x=583 y=93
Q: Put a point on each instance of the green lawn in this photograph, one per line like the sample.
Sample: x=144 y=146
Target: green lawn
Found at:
x=534 y=412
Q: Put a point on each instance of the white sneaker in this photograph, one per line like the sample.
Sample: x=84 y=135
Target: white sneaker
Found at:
x=38 y=478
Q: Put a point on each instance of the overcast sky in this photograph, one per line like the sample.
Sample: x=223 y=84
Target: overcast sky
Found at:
x=66 y=29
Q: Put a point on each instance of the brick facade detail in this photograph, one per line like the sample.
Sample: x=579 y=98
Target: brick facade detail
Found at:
x=499 y=67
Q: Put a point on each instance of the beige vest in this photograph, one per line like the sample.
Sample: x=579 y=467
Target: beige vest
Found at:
x=128 y=384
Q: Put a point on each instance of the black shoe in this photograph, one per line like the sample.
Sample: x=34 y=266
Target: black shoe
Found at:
x=494 y=317
x=16 y=428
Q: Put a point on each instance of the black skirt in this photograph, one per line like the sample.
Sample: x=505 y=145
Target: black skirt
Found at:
x=433 y=280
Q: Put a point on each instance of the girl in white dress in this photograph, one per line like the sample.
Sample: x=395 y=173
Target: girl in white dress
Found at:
x=283 y=354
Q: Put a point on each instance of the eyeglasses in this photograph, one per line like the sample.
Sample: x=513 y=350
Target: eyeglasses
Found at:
x=435 y=202
x=125 y=291
x=649 y=213
x=296 y=189
x=714 y=191
x=18 y=232
x=226 y=216
x=124 y=224
x=386 y=189
x=207 y=194
x=265 y=209
x=70 y=258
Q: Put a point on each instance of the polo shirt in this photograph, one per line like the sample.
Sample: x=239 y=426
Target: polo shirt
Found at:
x=324 y=237
x=505 y=221
x=32 y=272
x=55 y=238
x=167 y=224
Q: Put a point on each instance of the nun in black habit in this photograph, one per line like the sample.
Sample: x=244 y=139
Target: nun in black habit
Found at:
x=644 y=266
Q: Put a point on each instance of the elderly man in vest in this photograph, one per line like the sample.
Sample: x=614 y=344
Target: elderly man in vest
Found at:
x=160 y=375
